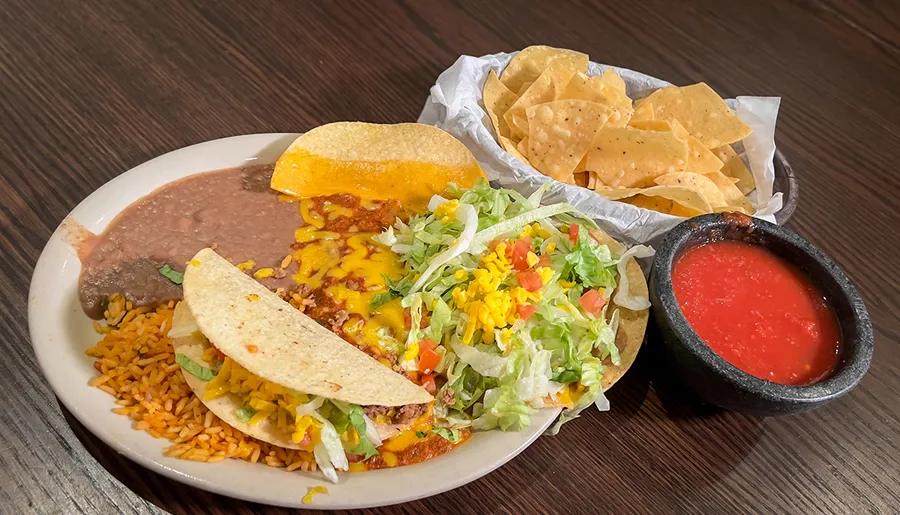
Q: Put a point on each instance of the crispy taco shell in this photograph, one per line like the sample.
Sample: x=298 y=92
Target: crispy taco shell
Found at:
x=408 y=162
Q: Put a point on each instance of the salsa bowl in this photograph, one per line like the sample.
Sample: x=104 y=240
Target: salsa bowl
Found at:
x=711 y=377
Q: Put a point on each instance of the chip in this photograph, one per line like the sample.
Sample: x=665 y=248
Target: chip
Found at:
x=531 y=62
x=623 y=157
x=608 y=90
x=522 y=146
x=734 y=167
x=560 y=133
x=497 y=100
x=546 y=88
x=524 y=88
x=660 y=204
x=702 y=112
x=510 y=147
x=690 y=198
x=696 y=182
x=642 y=112
x=733 y=196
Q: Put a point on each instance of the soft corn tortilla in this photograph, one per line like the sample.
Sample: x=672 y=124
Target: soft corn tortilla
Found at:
x=632 y=324
x=234 y=312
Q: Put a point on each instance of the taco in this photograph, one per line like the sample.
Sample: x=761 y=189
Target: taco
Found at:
x=273 y=373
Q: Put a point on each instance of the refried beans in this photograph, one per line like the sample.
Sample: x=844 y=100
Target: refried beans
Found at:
x=233 y=210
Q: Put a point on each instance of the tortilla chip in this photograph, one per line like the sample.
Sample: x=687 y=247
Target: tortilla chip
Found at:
x=560 y=133
x=733 y=196
x=654 y=125
x=735 y=168
x=631 y=158
x=688 y=197
x=701 y=111
x=292 y=350
x=608 y=90
x=642 y=111
x=700 y=158
x=546 y=88
x=510 y=147
x=522 y=146
x=524 y=88
x=681 y=210
x=410 y=162
x=497 y=100
x=531 y=62
x=659 y=204
x=696 y=182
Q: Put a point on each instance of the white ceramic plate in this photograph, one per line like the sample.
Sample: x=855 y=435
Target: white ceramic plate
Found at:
x=60 y=334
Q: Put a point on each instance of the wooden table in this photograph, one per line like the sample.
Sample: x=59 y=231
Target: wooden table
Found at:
x=91 y=89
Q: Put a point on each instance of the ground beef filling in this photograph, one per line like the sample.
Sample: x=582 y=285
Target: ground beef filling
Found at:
x=397 y=415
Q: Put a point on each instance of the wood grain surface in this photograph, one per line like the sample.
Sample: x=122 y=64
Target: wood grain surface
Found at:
x=90 y=89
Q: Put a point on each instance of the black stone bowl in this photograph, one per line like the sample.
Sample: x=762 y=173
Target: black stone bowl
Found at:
x=717 y=381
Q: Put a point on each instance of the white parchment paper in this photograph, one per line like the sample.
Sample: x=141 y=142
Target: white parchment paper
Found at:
x=455 y=106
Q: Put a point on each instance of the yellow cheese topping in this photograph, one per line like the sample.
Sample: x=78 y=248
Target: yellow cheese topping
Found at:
x=487 y=306
x=308 y=498
x=271 y=401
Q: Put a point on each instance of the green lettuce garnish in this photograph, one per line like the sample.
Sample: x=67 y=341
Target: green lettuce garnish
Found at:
x=245 y=413
x=195 y=369
x=171 y=274
x=451 y=435
x=358 y=421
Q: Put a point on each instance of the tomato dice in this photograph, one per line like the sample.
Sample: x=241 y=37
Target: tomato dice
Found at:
x=525 y=310
x=544 y=260
x=428 y=383
x=530 y=280
x=428 y=358
x=573 y=233
x=520 y=251
x=592 y=302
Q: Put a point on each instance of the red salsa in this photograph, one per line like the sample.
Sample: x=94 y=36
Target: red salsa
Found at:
x=757 y=311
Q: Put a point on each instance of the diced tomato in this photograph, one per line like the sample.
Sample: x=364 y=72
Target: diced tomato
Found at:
x=427 y=344
x=525 y=310
x=355 y=458
x=544 y=260
x=428 y=358
x=520 y=251
x=592 y=301
x=573 y=233
x=530 y=280
x=428 y=383
x=307 y=439
x=219 y=353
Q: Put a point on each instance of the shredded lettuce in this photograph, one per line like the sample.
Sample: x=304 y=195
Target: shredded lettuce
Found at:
x=486 y=364
x=624 y=297
x=365 y=445
x=195 y=369
x=469 y=217
x=451 y=435
x=245 y=413
x=513 y=225
x=380 y=299
x=329 y=452
x=171 y=274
